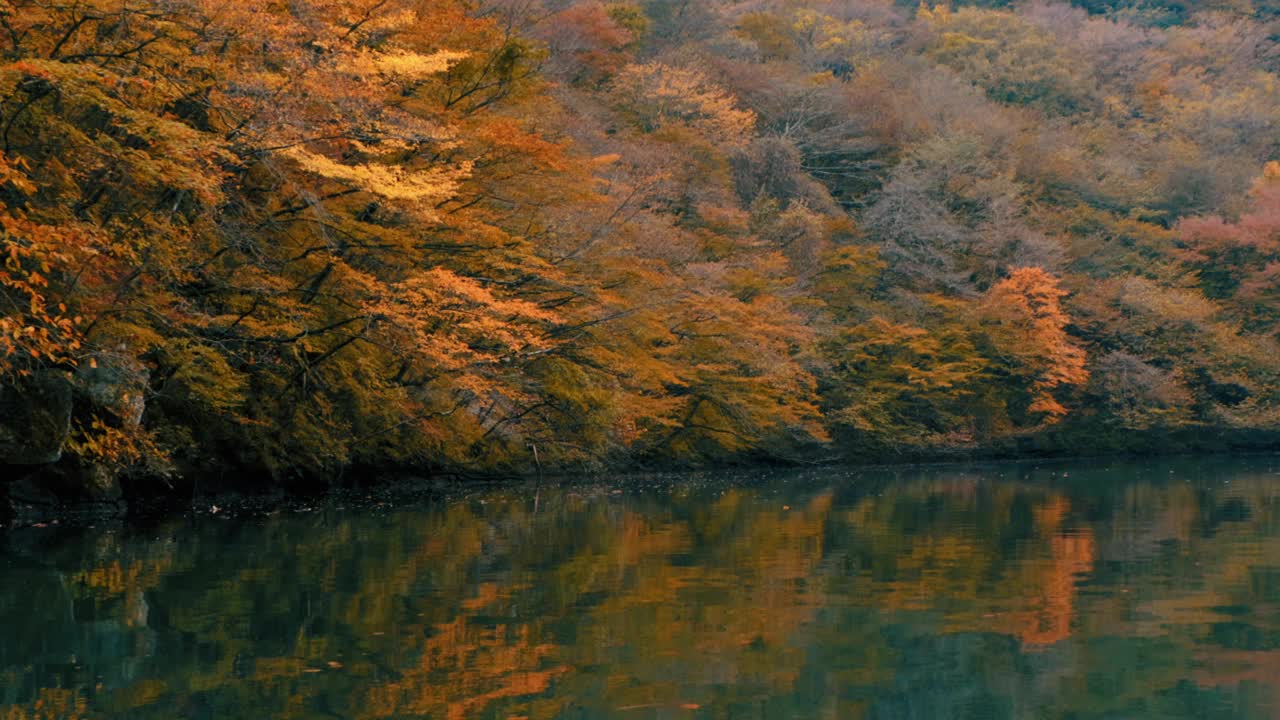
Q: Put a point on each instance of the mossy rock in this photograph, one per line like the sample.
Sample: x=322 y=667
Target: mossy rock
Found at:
x=35 y=418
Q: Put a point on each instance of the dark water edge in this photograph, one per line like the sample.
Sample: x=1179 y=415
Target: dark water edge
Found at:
x=250 y=497
x=256 y=496
x=57 y=493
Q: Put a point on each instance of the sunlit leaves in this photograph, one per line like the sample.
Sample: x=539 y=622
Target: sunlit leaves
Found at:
x=658 y=95
x=422 y=188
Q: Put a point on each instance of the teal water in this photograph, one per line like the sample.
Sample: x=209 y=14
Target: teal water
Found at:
x=1112 y=590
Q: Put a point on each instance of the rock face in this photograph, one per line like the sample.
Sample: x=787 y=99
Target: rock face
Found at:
x=115 y=383
x=64 y=485
x=36 y=415
x=35 y=418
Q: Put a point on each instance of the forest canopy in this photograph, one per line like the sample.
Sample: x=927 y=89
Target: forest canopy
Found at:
x=291 y=239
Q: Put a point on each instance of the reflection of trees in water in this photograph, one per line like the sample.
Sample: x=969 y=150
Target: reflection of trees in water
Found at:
x=947 y=594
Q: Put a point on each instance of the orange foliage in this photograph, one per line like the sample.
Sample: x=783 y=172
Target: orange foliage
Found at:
x=1031 y=328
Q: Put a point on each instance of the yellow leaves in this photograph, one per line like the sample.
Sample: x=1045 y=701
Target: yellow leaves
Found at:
x=767 y=31
x=402 y=65
x=956 y=42
x=937 y=14
x=905 y=385
x=206 y=376
x=412 y=66
x=422 y=188
x=807 y=21
x=659 y=94
x=1166 y=306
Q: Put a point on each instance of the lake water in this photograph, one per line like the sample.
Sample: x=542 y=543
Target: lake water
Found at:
x=1075 y=590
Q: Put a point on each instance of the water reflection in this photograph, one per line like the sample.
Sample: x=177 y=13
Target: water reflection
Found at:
x=1125 y=591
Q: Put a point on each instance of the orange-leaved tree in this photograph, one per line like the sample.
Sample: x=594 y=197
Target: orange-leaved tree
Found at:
x=1028 y=328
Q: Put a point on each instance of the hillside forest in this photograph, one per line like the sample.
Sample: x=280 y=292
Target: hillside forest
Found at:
x=285 y=241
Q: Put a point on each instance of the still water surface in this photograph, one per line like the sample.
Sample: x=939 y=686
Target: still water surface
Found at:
x=1142 y=590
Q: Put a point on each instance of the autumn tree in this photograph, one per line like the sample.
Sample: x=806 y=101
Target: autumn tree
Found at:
x=1028 y=329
